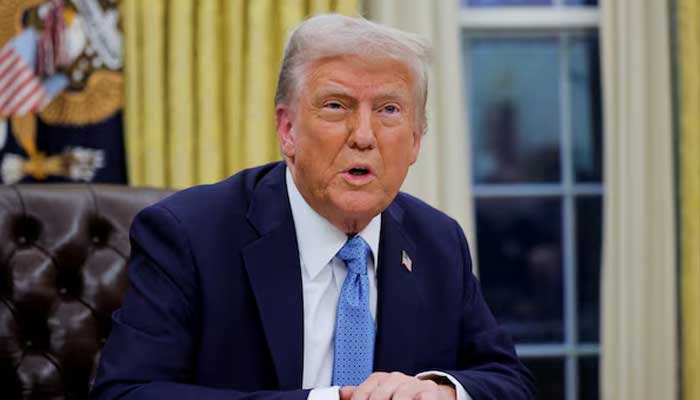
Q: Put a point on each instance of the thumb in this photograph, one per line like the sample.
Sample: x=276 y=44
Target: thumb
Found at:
x=346 y=392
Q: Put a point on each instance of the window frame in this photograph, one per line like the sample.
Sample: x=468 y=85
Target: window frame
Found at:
x=563 y=22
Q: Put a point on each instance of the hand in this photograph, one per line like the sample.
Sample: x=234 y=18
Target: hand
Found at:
x=397 y=386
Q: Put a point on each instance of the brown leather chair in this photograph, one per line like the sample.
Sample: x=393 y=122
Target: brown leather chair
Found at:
x=63 y=254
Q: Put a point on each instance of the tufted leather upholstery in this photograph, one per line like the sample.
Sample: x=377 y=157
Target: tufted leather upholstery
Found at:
x=63 y=252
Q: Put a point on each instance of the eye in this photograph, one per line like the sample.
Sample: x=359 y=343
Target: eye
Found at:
x=390 y=109
x=333 y=105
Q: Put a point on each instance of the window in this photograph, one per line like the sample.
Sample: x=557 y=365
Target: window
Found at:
x=534 y=111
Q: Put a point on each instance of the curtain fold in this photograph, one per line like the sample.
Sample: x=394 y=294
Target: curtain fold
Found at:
x=200 y=81
x=441 y=176
x=152 y=89
x=639 y=334
x=233 y=15
x=180 y=111
x=688 y=15
x=210 y=107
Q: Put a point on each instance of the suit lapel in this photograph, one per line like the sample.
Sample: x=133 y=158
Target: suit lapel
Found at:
x=398 y=298
x=272 y=263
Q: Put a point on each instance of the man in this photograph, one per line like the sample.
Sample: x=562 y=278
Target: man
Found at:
x=314 y=278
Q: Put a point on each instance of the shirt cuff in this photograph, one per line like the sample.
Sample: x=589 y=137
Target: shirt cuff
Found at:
x=327 y=393
x=429 y=375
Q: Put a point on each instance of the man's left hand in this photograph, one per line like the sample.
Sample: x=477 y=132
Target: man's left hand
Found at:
x=397 y=386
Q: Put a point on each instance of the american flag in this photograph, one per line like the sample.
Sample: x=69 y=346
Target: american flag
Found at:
x=406 y=261
x=21 y=91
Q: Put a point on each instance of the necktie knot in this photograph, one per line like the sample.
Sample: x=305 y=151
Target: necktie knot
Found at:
x=354 y=252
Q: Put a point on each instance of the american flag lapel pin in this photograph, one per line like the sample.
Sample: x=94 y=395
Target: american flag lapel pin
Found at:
x=406 y=261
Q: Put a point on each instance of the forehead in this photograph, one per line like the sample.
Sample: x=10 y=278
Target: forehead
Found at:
x=357 y=77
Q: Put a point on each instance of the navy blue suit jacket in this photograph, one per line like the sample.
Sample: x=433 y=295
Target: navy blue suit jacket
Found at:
x=215 y=310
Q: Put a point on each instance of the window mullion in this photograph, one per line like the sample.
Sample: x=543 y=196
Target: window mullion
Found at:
x=569 y=222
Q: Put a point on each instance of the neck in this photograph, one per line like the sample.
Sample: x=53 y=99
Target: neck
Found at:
x=350 y=226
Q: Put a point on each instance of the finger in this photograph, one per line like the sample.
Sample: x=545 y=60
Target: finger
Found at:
x=411 y=391
x=346 y=392
x=363 y=391
x=388 y=385
x=447 y=392
x=428 y=395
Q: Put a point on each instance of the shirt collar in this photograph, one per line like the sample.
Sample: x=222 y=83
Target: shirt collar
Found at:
x=319 y=240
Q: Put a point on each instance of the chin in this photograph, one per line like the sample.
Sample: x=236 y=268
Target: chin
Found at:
x=361 y=205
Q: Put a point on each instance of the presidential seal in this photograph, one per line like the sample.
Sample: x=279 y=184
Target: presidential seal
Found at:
x=60 y=63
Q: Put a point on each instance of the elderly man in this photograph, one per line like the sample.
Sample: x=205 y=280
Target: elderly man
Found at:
x=314 y=278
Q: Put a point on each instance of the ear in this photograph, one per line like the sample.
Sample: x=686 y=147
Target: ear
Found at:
x=417 y=137
x=285 y=130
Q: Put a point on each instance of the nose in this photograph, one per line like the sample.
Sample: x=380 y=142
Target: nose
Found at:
x=361 y=133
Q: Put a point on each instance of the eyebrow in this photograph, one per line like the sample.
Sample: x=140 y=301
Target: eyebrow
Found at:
x=327 y=90
x=394 y=95
x=333 y=90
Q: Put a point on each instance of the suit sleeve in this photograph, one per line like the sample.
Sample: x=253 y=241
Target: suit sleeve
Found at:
x=150 y=353
x=488 y=365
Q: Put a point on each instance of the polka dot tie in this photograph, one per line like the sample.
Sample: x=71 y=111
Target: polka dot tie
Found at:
x=354 y=327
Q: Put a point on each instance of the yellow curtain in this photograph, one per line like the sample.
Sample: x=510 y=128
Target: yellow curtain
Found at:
x=689 y=89
x=200 y=80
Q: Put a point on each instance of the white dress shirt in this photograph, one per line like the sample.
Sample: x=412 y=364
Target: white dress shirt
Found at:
x=322 y=276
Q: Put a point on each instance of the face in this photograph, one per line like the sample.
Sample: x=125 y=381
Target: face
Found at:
x=350 y=137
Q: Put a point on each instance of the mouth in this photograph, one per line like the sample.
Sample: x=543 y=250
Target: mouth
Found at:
x=359 y=171
x=358 y=174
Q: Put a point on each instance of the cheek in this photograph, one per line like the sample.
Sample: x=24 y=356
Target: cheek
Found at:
x=315 y=158
x=397 y=156
x=322 y=132
x=323 y=142
x=397 y=145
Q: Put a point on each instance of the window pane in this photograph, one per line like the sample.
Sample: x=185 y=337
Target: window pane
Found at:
x=520 y=266
x=584 y=76
x=549 y=377
x=588 y=387
x=489 y=3
x=588 y=244
x=514 y=108
x=581 y=2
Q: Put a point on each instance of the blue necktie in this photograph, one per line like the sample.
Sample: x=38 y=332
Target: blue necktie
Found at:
x=354 y=327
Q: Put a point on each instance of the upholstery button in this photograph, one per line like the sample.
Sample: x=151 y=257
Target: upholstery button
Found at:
x=63 y=290
x=26 y=229
x=100 y=230
x=28 y=343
